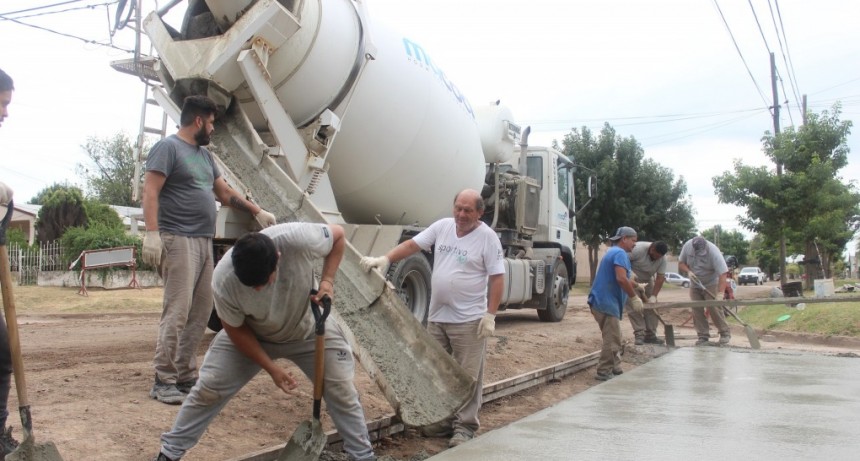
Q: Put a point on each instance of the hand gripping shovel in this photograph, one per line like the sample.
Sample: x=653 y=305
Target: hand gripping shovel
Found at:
x=28 y=450
x=308 y=440
x=750 y=331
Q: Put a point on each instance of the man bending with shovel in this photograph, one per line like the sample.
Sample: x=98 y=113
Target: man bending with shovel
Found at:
x=261 y=289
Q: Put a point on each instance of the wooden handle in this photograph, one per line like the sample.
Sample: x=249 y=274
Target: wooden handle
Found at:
x=12 y=327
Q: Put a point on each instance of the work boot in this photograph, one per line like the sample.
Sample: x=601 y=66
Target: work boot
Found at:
x=459 y=439
x=166 y=393
x=638 y=341
x=185 y=386
x=163 y=457
x=440 y=429
x=617 y=371
x=702 y=342
x=654 y=340
x=603 y=377
x=724 y=339
x=8 y=444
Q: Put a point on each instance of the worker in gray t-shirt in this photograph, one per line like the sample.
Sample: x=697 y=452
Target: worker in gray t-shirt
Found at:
x=181 y=185
x=647 y=259
x=704 y=264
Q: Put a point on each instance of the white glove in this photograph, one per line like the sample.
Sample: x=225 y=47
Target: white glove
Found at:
x=265 y=219
x=636 y=304
x=487 y=327
x=369 y=262
x=693 y=277
x=5 y=194
x=152 y=248
x=720 y=296
x=652 y=300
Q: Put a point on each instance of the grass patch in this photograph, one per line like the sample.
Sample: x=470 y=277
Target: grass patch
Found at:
x=63 y=300
x=832 y=319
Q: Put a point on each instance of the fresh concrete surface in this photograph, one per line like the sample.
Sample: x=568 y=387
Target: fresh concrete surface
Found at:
x=705 y=403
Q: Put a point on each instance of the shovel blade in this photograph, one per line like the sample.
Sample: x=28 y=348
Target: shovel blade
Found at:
x=752 y=337
x=306 y=444
x=28 y=450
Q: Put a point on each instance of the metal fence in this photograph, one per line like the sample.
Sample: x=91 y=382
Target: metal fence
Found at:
x=28 y=262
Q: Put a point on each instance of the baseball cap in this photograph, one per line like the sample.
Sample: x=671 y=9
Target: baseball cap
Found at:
x=700 y=245
x=623 y=231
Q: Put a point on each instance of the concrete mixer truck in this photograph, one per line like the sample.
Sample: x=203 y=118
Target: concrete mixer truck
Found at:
x=373 y=134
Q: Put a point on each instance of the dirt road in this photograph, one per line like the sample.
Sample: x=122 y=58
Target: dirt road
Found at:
x=89 y=376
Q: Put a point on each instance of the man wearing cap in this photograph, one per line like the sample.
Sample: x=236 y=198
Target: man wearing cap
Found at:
x=609 y=292
x=705 y=266
x=649 y=265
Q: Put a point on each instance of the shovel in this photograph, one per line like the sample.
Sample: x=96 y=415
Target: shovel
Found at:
x=28 y=449
x=751 y=334
x=308 y=440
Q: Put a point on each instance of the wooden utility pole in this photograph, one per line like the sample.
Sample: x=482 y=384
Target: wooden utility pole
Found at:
x=782 y=272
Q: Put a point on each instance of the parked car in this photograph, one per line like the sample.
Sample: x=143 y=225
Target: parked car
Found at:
x=752 y=275
x=677 y=279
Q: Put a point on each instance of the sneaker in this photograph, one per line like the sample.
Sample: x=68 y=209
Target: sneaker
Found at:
x=442 y=429
x=163 y=457
x=638 y=341
x=702 y=342
x=8 y=444
x=185 y=386
x=654 y=340
x=166 y=393
x=724 y=339
x=458 y=439
x=603 y=377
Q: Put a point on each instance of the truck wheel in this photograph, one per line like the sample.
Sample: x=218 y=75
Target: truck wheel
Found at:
x=411 y=279
x=555 y=296
x=214 y=323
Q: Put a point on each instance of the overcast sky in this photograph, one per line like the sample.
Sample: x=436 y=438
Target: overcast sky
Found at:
x=665 y=72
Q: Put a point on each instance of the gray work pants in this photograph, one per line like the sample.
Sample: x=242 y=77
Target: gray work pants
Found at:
x=186 y=267
x=226 y=370
x=462 y=342
x=717 y=314
x=644 y=324
x=610 y=330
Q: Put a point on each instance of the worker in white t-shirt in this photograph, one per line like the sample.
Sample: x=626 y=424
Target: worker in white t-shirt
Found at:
x=466 y=260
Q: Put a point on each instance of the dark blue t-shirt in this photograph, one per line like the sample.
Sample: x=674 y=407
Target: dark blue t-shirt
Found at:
x=606 y=295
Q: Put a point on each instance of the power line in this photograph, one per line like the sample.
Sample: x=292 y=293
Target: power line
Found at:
x=792 y=78
x=46 y=13
x=741 y=54
x=40 y=7
x=759 y=26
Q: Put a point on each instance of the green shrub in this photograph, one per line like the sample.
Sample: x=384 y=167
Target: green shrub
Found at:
x=98 y=236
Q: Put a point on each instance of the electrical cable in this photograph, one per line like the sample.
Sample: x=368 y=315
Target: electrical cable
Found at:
x=766 y=103
x=792 y=74
x=40 y=7
x=63 y=34
x=5 y=17
x=788 y=69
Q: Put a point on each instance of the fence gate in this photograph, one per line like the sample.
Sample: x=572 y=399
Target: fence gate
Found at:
x=28 y=262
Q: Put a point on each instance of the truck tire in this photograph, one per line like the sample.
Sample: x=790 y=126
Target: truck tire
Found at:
x=555 y=295
x=411 y=279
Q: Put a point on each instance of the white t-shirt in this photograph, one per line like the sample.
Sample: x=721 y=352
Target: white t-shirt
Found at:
x=642 y=265
x=461 y=267
x=280 y=311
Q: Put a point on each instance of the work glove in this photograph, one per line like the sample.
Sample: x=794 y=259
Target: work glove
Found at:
x=640 y=292
x=152 y=248
x=652 y=300
x=693 y=278
x=369 y=262
x=636 y=304
x=487 y=327
x=265 y=219
x=720 y=296
x=5 y=194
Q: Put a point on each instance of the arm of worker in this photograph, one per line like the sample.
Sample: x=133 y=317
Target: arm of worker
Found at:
x=232 y=198
x=721 y=287
x=626 y=284
x=397 y=253
x=330 y=264
x=684 y=268
x=245 y=340
x=153 y=182
x=658 y=285
x=487 y=325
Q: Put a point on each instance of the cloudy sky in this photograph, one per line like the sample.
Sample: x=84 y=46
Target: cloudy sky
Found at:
x=689 y=79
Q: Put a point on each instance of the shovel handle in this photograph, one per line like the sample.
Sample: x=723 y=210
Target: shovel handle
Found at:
x=319 y=350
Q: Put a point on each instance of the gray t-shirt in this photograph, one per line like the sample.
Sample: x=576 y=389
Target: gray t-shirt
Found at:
x=708 y=266
x=280 y=311
x=186 y=205
x=642 y=265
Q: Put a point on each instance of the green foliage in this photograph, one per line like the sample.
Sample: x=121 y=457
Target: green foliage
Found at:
x=18 y=237
x=631 y=191
x=730 y=243
x=42 y=196
x=110 y=172
x=99 y=213
x=834 y=318
x=808 y=202
x=62 y=209
x=96 y=237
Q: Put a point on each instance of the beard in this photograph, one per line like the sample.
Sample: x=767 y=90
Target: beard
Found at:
x=202 y=137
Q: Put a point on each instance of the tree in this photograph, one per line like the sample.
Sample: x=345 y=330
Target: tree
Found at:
x=731 y=243
x=42 y=195
x=63 y=209
x=817 y=212
x=110 y=173
x=631 y=192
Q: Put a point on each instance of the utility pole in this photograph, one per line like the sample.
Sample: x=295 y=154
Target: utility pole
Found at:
x=782 y=273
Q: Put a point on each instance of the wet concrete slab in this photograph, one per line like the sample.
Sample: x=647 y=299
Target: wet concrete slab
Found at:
x=696 y=403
